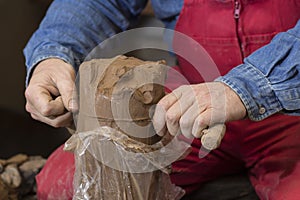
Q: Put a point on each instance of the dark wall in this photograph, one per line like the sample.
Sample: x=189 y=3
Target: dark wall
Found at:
x=18 y=20
x=18 y=132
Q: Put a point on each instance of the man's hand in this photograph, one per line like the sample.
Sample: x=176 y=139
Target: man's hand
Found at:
x=192 y=108
x=49 y=94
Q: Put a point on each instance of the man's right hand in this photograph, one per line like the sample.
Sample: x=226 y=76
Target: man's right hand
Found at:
x=49 y=95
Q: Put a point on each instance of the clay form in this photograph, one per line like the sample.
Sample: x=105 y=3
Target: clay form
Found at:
x=112 y=160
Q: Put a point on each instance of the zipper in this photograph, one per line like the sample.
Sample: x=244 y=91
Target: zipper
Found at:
x=236 y=15
x=237 y=9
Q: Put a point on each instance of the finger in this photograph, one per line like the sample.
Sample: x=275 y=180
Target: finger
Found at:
x=31 y=109
x=64 y=120
x=158 y=120
x=187 y=120
x=171 y=118
x=176 y=111
x=159 y=117
x=186 y=98
x=56 y=123
x=41 y=100
x=68 y=93
x=201 y=122
x=172 y=126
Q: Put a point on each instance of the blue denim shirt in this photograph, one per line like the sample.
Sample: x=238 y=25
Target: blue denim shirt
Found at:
x=267 y=82
x=72 y=28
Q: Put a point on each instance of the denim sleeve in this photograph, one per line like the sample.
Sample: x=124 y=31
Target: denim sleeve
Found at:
x=72 y=28
x=269 y=80
x=167 y=11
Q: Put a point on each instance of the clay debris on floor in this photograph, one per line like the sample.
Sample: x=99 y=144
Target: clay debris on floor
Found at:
x=17 y=176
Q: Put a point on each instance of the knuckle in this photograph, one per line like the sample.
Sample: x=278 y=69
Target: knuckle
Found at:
x=180 y=91
x=46 y=110
x=180 y=88
x=171 y=117
x=201 y=122
x=184 y=122
x=165 y=103
x=183 y=87
x=161 y=104
x=28 y=107
x=27 y=93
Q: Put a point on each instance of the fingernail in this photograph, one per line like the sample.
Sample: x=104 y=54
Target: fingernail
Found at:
x=158 y=119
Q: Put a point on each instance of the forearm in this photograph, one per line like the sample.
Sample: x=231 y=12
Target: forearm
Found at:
x=71 y=29
x=269 y=81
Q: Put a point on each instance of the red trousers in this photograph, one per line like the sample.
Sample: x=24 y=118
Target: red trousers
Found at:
x=270 y=150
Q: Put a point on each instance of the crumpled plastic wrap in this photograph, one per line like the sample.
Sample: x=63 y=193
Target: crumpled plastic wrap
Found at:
x=110 y=165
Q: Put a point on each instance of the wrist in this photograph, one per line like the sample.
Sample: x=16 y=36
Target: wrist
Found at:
x=235 y=104
x=51 y=63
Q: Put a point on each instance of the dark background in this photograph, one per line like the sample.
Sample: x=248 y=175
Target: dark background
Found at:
x=18 y=132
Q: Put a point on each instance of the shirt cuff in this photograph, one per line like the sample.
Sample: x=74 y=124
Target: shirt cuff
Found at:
x=254 y=89
x=49 y=51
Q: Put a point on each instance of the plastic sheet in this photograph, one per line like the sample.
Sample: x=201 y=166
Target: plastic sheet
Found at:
x=110 y=165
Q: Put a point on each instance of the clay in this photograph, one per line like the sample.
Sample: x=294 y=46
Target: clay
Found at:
x=17 y=177
x=104 y=84
x=11 y=176
x=31 y=167
x=123 y=77
x=17 y=159
x=212 y=137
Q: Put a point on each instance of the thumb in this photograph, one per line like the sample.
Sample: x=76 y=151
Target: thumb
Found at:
x=68 y=93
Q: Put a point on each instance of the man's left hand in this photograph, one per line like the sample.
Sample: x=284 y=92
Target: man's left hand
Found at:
x=190 y=109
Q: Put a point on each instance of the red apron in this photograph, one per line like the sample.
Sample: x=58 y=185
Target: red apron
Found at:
x=229 y=30
x=270 y=150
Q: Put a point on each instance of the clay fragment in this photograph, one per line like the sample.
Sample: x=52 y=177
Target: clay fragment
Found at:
x=11 y=176
x=17 y=177
x=2 y=162
x=3 y=191
x=213 y=136
x=1 y=168
x=31 y=167
x=17 y=159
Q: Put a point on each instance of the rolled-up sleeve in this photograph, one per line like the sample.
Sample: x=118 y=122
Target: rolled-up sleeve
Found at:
x=269 y=80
